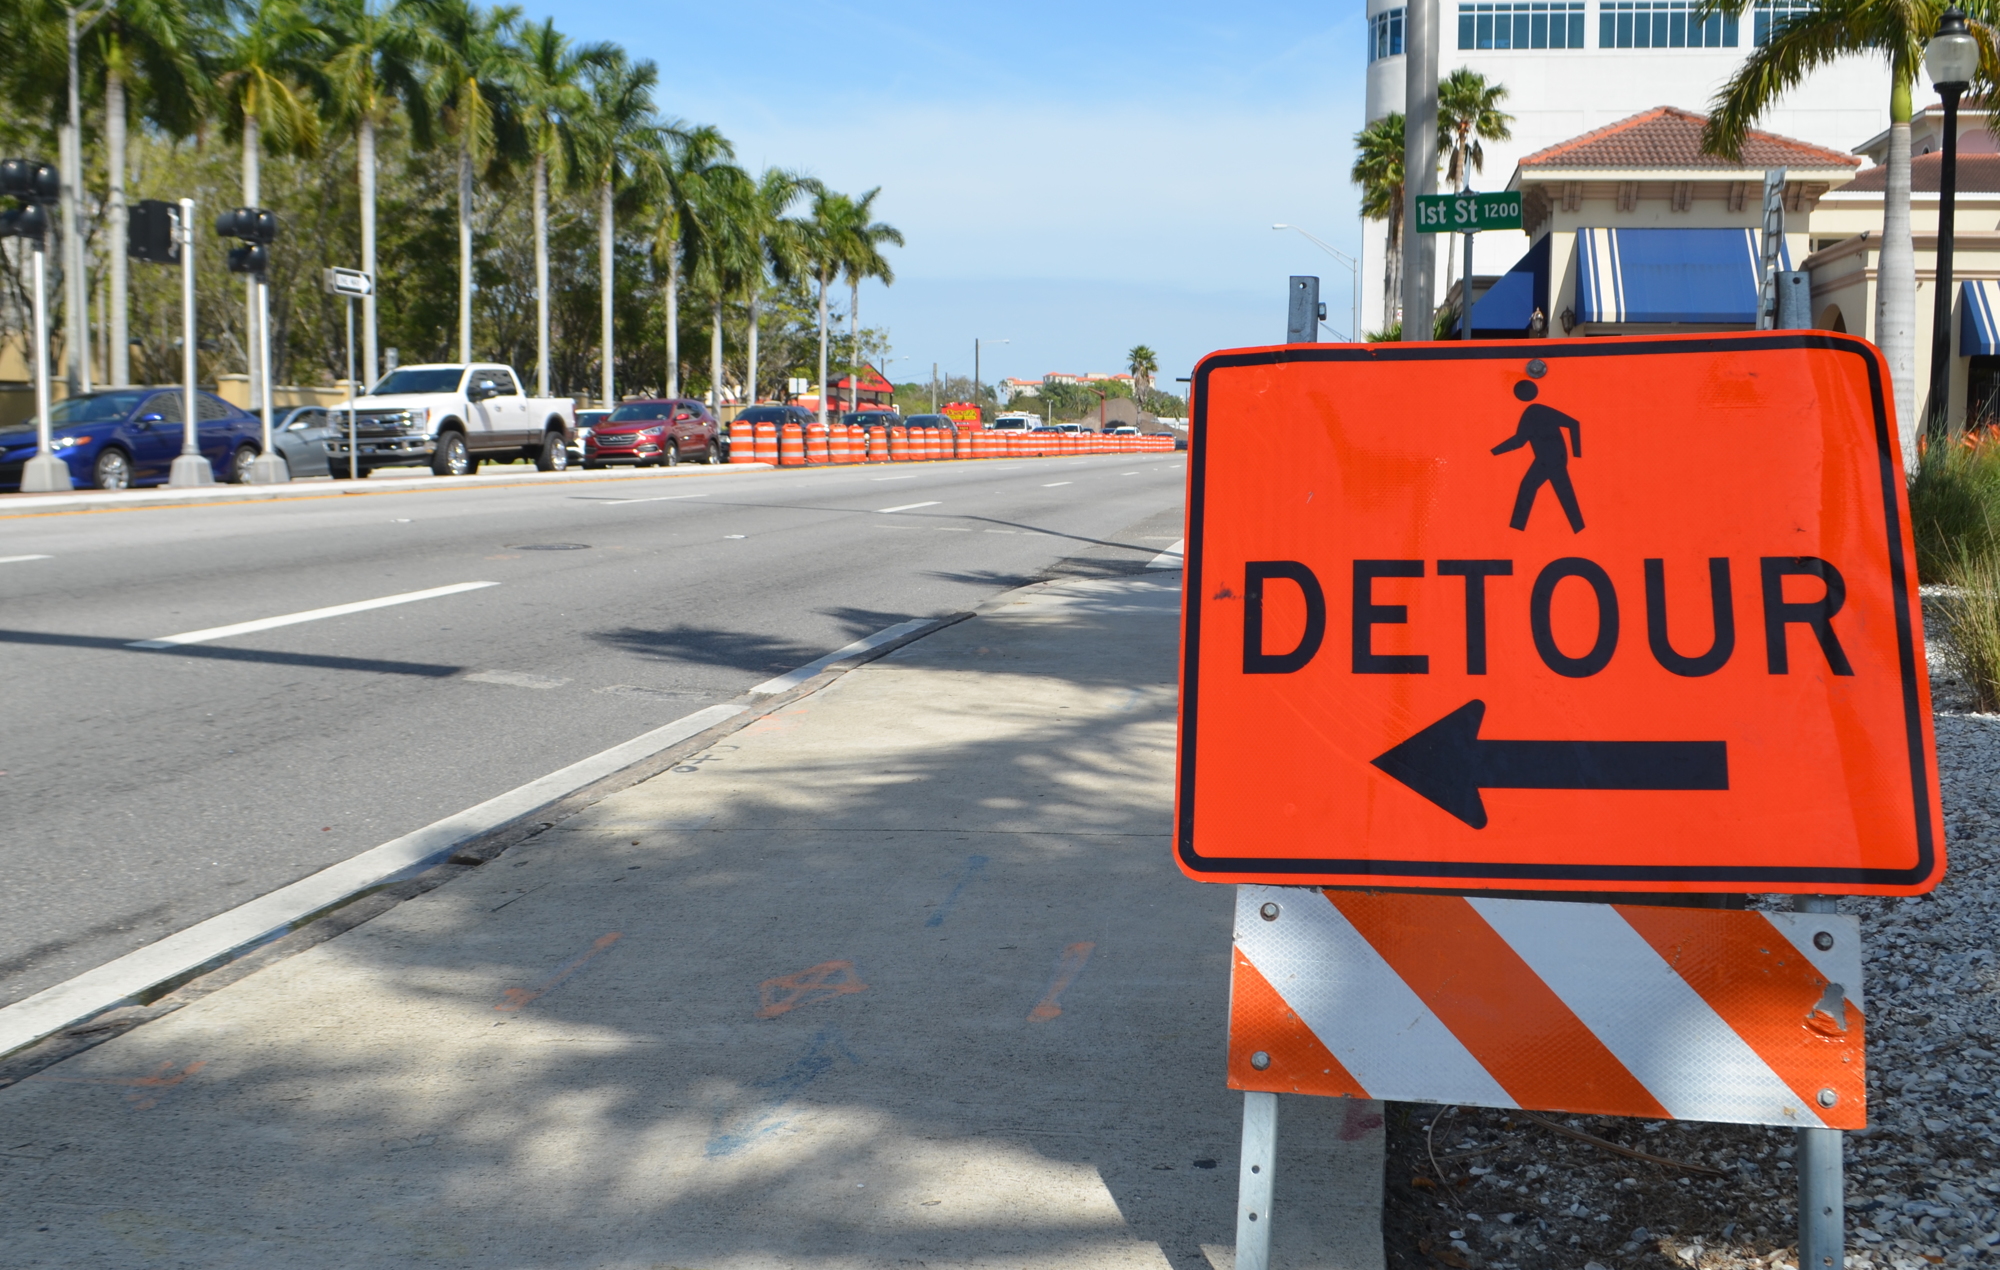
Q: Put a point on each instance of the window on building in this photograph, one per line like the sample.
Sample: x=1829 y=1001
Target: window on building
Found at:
x=1662 y=24
x=1770 y=15
x=1385 y=35
x=1538 y=24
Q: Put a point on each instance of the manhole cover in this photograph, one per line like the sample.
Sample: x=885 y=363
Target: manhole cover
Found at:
x=550 y=546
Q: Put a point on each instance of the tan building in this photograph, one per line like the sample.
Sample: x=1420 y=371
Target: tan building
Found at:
x=1846 y=237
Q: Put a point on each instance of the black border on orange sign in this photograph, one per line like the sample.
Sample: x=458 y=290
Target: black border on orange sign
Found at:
x=1723 y=877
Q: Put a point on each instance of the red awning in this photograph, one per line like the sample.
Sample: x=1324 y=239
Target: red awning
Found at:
x=871 y=381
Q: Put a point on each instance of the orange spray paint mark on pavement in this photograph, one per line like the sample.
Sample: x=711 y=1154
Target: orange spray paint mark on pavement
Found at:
x=1068 y=967
x=516 y=998
x=143 y=1090
x=815 y=983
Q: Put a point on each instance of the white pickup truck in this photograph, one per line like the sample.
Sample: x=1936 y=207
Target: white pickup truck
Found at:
x=451 y=417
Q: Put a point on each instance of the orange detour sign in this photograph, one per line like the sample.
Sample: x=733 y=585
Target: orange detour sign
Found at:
x=1607 y=615
x=1603 y=1009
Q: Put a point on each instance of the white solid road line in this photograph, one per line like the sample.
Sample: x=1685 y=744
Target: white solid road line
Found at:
x=911 y=477
x=310 y=615
x=1053 y=484
x=793 y=678
x=906 y=507
x=1173 y=557
x=270 y=916
x=19 y=559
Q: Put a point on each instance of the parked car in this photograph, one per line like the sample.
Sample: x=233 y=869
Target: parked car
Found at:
x=585 y=421
x=451 y=417
x=1015 y=423
x=932 y=421
x=1179 y=438
x=1122 y=430
x=130 y=436
x=872 y=418
x=664 y=430
x=301 y=434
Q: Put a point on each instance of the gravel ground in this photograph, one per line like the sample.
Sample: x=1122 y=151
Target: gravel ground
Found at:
x=1468 y=1187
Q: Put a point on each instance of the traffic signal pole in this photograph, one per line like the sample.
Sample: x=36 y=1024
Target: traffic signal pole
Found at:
x=269 y=468
x=190 y=468
x=45 y=473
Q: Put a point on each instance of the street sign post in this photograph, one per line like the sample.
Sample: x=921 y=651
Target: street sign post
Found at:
x=353 y=284
x=1467 y=213
x=1634 y=615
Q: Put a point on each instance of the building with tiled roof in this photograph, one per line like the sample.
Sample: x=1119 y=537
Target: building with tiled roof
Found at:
x=1574 y=69
x=1667 y=137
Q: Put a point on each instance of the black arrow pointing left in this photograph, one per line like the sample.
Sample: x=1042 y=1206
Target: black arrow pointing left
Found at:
x=1449 y=764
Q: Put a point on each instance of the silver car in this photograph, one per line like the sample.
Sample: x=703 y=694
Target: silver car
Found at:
x=300 y=435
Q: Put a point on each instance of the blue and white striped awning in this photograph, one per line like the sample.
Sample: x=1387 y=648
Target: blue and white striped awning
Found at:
x=1978 y=328
x=1669 y=275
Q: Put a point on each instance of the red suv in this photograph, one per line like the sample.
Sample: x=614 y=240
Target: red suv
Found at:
x=666 y=431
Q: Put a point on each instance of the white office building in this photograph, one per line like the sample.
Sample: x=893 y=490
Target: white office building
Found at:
x=1571 y=66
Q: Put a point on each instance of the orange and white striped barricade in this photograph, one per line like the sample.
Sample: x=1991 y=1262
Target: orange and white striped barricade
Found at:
x=936 y=447
x=767 y=443
x=791 y=445
x=899 y=443
x=816 y=434
x=840 y=443
x=743 y=443
x=1742 y=1017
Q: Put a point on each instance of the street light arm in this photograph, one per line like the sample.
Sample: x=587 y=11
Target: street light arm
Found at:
x=1335 y=252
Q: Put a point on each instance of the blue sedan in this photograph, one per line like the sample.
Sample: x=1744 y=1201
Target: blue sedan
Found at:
x=131 y=436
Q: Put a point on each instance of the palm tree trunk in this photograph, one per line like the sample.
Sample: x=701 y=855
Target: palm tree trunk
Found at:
x=252 y=194
x=1896 y=272
x=854 y=345
x=607 y=373
x=1392 y=274
x=365 y=157
x=542 y=275
x=750 y=380
x=715 y=360
x=120 y=368
x=673 y=324
x=465 y=250
x=822 y=346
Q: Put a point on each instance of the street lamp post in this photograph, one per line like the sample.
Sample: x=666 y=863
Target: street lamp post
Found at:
x=1353 y=267
x=1951 y=59
x=975 y=374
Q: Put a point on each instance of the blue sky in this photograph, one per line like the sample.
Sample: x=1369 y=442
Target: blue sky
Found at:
x=1074 y=178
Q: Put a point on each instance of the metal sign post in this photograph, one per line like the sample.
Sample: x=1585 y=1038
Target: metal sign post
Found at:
x=1467 y=213
x=163 y=233
x=1773 y=245
x=352 y=284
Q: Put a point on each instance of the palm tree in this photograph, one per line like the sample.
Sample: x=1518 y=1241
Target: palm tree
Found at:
x=678 y=176
x=150 y=43
x=1378 y=170
x=1468 y=113
x=1144 y=363
x=376 y=65
x=554 y=99
x=1896 y=31
x=474 y=57
x=618 y=129
x=263 y=69
x=726 y=249
x=781 y=247
x=857 y=247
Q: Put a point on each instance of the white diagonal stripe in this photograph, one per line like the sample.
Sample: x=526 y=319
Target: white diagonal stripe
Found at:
x=310 y=615
x=1650 y=1019
x=1841 y=963
x=1357 y=1005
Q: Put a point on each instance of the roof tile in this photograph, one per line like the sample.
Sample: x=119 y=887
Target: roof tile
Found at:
x=1669 y=137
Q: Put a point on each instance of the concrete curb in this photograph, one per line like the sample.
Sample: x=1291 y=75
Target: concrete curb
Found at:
x=147 y=973
x=16 y=505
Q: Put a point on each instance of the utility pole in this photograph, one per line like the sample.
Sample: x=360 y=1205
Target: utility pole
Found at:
x=76 y=315
x=1420 y=113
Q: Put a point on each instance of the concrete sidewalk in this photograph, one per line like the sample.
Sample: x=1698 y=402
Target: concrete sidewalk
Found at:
x=901 y=974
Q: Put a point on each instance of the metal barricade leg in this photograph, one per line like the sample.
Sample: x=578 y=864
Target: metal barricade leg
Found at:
x=1822 y=1187
x=1253 y=1181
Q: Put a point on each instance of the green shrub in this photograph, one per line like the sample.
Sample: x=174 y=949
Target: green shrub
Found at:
x=1955 y=507
x=1970 y=612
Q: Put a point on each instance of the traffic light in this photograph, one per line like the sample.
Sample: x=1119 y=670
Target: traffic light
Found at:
x=29 y=181
x=31 y=221
x=257 y=227
x=149 y=233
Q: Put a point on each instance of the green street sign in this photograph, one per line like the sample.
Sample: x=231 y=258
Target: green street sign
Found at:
x=1468 y=213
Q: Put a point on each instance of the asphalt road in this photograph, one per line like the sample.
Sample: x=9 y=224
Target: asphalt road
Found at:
x=147 y=789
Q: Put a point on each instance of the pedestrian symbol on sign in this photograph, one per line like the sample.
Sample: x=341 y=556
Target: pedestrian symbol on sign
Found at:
x=1541 y=429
